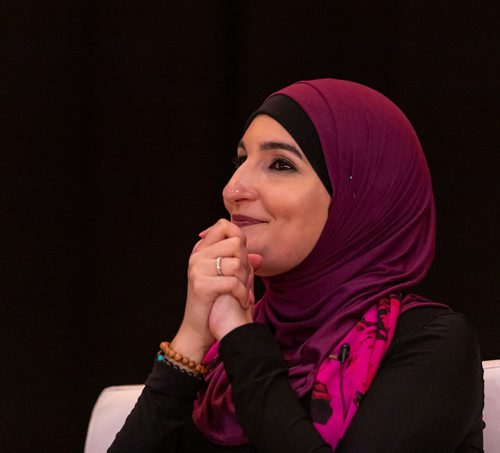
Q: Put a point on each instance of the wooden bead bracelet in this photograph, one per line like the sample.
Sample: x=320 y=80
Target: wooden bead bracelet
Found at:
x=197 y=368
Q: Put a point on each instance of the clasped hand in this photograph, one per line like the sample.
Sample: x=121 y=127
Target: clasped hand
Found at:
x=217 y=304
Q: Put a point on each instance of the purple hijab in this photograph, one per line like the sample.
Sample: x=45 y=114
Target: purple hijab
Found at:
x=378 y=239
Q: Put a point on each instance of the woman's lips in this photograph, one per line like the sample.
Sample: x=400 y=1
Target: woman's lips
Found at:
x=243 y=220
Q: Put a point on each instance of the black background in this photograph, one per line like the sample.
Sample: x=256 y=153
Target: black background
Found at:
x=118 y=123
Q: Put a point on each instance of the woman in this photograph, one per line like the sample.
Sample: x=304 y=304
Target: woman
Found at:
x=331 y=203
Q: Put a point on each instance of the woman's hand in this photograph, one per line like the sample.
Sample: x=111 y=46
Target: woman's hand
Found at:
x=226 y=240
x=227 y=313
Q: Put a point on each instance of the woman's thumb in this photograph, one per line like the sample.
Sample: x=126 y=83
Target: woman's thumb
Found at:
x=255 y=260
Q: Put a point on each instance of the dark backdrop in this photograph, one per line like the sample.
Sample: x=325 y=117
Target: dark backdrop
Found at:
x=118 y=124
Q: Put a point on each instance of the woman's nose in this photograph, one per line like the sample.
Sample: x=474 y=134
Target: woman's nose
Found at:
x=240 y=187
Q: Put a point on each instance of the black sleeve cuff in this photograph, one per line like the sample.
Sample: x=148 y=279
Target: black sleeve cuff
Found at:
x=170 y=381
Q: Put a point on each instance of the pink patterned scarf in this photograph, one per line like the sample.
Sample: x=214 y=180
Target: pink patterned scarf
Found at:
x=347 y=373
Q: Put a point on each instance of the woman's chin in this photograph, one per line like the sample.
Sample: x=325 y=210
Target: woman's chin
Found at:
x=260 y=273
x=267 y=270
x=263 y=274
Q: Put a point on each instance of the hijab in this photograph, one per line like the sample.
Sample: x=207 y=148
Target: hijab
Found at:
x=378 y=240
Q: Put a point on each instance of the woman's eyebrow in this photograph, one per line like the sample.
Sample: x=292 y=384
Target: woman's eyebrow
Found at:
x=267 y=146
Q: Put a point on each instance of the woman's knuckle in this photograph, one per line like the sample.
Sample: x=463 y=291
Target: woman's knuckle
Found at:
x=193 y=269
x=222 y=222
x=234 y=282
x=192 y=260
x=197 y=285
x=236 y=242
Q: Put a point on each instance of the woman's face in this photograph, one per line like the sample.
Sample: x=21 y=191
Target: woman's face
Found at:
x=276 y=197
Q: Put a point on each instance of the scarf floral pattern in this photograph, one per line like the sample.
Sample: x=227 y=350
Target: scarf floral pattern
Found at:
x=344 y=377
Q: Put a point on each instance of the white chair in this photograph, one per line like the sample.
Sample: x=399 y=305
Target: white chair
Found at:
x=115 y=403
x=491 y=413
x=108 y=416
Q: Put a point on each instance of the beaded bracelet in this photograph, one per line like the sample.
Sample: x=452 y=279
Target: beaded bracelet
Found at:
x=161 y=358
x=197 y=368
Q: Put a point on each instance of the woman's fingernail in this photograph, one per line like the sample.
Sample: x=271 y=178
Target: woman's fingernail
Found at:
x=255 y=260
x=197 y=246
x=204 y=232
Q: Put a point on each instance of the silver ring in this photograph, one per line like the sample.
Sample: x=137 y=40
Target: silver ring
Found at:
x=218 y=267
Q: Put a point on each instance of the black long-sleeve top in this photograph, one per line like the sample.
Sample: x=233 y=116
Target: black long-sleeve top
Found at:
x=427 y=396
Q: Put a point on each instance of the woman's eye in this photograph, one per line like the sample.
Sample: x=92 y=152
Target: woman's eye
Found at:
x=238 y=160
x=282 y=165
